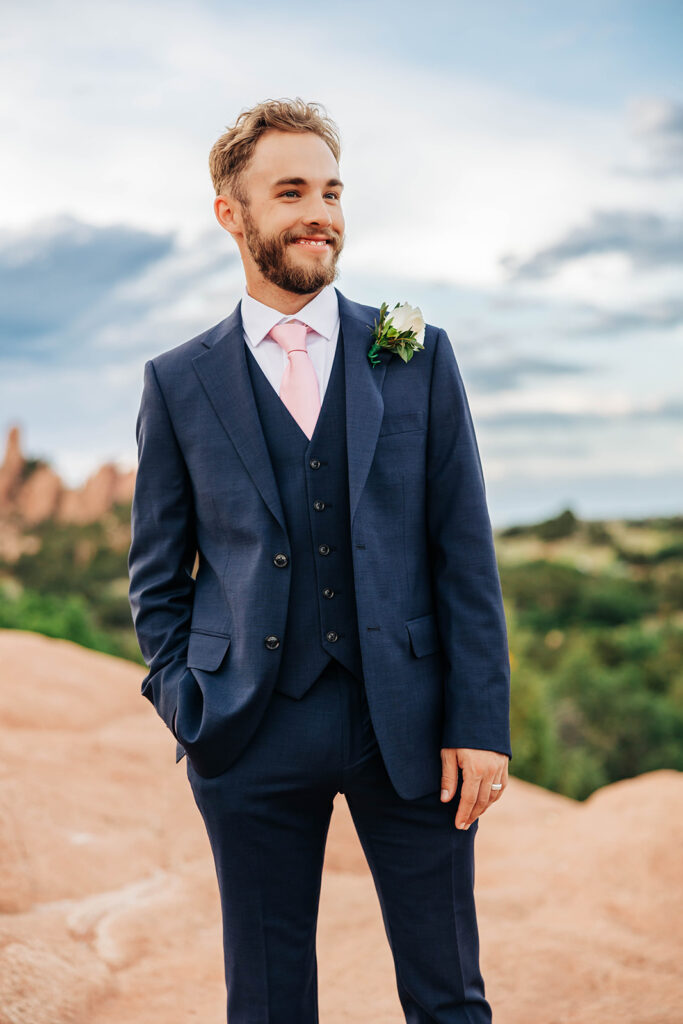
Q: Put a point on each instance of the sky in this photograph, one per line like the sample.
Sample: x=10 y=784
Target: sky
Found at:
x=513 y=169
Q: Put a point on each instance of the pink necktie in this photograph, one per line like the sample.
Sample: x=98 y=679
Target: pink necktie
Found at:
x=299 y=388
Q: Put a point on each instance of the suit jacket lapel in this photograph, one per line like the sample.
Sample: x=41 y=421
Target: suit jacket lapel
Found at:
x=364 y=402
x=222 y=370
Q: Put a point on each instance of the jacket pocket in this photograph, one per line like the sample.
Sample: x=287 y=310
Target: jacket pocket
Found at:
x=424 y=635
x=400 y=422
x=206 y=650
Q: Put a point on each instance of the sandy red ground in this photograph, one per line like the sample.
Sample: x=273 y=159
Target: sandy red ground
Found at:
x=109 y=910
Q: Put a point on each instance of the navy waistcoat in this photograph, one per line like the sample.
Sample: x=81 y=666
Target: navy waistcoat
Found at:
x=312 y=478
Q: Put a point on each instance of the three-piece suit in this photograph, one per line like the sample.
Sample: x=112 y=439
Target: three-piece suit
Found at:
x=345 y=622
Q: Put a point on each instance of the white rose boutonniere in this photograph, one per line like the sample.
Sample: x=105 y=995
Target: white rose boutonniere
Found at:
x=402 y=331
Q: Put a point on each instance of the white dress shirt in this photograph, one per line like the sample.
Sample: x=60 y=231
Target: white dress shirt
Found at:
x=321 y=314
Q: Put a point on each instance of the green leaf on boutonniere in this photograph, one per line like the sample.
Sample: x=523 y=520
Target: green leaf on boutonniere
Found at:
x=401 y=331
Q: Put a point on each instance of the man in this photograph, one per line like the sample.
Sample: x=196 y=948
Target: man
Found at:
x=345 y=630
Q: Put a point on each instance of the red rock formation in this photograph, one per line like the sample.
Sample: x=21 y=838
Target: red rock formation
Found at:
x=33 y=494
x=12 y=467
x=39 y=496
x=93 y=499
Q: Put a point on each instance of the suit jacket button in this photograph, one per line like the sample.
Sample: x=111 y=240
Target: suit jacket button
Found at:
x=280 y=560
x=314 y=463
x=324 y=549
x=328 y=592
x=272 y=642
x=318 y=505
x=331 y=636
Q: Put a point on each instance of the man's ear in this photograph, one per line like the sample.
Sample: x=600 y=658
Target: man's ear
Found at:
x=228 y=213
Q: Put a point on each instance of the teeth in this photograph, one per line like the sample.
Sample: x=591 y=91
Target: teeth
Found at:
x=306 y=241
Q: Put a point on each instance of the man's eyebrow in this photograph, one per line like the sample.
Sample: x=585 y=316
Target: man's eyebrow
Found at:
x=302 y=181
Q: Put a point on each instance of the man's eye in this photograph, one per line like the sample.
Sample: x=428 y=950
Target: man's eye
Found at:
x=294 y=192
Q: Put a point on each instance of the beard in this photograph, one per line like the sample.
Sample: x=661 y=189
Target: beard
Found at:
x=277 y=263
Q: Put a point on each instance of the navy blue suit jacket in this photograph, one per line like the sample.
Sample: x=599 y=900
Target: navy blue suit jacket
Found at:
x=430 y=612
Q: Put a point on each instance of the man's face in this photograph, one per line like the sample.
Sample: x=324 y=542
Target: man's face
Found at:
x=294 y=193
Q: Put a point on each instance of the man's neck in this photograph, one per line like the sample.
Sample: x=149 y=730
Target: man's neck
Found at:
x=279 y=299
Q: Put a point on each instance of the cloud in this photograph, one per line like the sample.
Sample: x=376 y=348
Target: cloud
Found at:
x=454 y=153
x=668 y=411
x=609 y=494
x=654 y=317
x=108 y=293
x=647 y=239
x=514 y=372
x=657 y=125
x=55 y=273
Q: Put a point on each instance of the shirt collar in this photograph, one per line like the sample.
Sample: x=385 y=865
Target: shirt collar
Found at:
x=321 y=314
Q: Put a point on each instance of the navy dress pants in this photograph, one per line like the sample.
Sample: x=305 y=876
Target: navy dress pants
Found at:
x=267 y=819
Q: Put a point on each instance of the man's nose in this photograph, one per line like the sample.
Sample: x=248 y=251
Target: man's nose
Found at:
x=317 y=212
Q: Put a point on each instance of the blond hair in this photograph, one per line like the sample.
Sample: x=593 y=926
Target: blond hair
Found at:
x=231 y=153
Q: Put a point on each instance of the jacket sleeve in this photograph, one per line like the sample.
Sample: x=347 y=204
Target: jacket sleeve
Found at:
x=467 y=591
x=162 y=552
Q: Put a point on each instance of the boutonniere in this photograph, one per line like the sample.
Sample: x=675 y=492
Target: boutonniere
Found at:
x=401 y=331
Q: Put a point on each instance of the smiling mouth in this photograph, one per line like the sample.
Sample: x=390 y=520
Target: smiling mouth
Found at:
x=310 y=243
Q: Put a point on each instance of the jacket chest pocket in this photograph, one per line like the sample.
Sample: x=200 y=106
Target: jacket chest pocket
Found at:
x=206 y=650
x=402 y=422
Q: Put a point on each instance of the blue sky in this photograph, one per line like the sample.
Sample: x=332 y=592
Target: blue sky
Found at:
x=515 y=169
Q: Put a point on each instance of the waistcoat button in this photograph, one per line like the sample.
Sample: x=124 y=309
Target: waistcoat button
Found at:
x=328 y=592
x=332 y=636
x=272 y=642
x=324 y=549
x=314 y=463
x=280 y=560
x=318 y=505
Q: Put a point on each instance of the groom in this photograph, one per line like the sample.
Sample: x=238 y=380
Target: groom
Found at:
x=344 y=630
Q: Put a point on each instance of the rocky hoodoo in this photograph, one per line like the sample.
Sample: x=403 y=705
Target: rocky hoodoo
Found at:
x=31 y=491
x=109 y=907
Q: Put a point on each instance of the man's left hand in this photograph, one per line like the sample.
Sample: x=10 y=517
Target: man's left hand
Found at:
x=480 y=769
